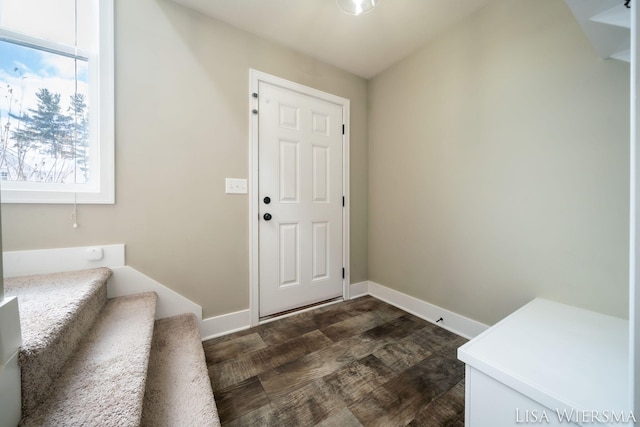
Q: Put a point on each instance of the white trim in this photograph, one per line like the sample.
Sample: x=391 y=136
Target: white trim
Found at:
x=101 y=72
x=360 y=289
x=43 y=261
x=634 y=219
x=10 y=331
x=467 y=394
x=255 y=77
x=293 y=313
x=240 y=320
x=254 y=259
x=127 y=281
x=346 y=211
x=43 y=44
x=452 y=322
x=10 y=390
x=10 y=342
x=225 y=324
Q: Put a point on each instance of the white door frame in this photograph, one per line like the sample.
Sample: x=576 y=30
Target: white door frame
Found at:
x=254 y=263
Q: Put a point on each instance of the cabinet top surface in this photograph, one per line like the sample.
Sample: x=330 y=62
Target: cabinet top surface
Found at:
x=558 y=355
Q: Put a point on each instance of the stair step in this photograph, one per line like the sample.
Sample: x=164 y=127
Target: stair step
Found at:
x=104 y=380
x=178 y=386
x=56 y=311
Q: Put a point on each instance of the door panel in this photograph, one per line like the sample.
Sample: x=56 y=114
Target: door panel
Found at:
x=320 y=174
x=289 y=171
x=289 y=255
x=320 y=250
x=300 y=170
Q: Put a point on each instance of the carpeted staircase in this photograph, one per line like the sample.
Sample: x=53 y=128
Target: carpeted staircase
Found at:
x=92 y=361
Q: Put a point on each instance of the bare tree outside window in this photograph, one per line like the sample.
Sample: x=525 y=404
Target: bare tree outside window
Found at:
x=44 y=120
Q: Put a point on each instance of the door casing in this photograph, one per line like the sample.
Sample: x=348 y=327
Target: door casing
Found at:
x=255 y=77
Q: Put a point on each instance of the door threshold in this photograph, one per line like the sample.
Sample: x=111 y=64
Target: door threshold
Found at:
x=288 y=313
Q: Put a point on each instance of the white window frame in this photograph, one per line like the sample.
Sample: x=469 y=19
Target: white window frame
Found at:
x=101 y=77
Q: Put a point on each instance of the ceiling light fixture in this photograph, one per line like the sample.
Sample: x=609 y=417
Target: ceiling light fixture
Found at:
x=357 y=7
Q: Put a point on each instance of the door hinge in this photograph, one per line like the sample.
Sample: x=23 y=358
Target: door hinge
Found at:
x=343 y=272
x=254 y=94
x=343 y=201
x=343 y=129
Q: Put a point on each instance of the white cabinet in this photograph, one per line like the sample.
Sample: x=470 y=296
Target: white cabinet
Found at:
x=497 y=405
x=551 y=364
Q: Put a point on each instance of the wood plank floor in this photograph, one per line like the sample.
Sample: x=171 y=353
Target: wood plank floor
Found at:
x=361 y=362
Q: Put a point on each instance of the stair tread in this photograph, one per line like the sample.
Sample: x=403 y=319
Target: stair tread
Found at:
x=178 y=390
x=56 y=311
x=48 y=301
x=103 y=382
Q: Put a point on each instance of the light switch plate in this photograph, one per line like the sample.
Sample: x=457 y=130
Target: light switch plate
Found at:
x=235 y=186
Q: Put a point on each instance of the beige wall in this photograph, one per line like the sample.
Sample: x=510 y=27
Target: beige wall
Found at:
x=498 y=167
x=182 y=93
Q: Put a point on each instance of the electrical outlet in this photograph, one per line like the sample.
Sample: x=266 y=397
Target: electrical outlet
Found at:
x=95 y=254
x=235 y=186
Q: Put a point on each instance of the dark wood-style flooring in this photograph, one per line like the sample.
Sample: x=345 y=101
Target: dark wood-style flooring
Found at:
x=358 y=362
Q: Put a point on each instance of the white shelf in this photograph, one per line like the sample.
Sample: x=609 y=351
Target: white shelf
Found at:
x=618 y=16
x=557 y=355
x=606 y=24
x=624 y=55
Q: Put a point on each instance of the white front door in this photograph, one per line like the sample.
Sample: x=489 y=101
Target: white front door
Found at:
x=300 y=190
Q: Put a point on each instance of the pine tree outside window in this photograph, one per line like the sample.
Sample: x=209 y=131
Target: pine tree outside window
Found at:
x=56 y=101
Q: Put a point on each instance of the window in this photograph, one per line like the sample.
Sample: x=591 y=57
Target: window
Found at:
x=56 y=101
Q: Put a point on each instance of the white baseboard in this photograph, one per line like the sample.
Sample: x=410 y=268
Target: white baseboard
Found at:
x=456 y=323
x=359 y=289
x=124 y=281
x=44 y=261
x=127 y=280
x=232 y=322
x=224 y=324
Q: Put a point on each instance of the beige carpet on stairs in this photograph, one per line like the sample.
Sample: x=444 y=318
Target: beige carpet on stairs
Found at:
x=178 y=388
x=103 y=382
x=56 y=311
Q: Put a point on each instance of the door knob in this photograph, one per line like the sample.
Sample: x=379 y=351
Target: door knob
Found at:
x=267 y=217
x=267 y=200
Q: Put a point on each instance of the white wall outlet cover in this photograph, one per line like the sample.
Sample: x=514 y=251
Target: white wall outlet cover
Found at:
x=236 y=186
x=95 y=254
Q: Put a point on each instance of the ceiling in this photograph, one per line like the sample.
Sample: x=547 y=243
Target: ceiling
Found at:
x=364 y=45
